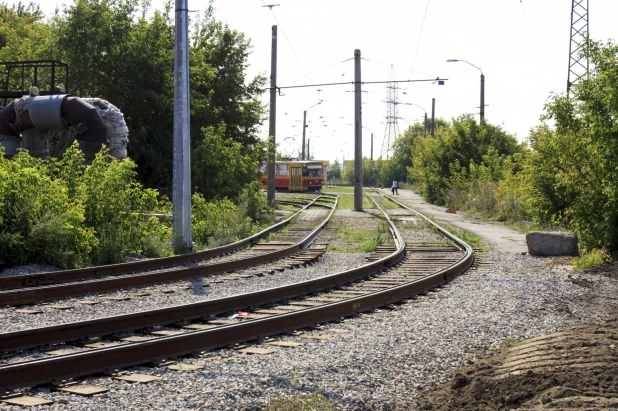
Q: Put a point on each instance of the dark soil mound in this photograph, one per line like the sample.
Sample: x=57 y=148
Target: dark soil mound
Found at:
x=572 y=369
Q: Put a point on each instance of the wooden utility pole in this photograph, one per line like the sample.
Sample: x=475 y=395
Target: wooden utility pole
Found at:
x=272 y=124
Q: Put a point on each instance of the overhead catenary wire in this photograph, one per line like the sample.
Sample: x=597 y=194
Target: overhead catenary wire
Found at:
x=319 y=70
x=391 y=65
x=420 y=36
x=536 y=57
x=353 y=82
x=270 y=7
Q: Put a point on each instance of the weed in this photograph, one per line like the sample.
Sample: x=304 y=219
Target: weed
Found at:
x=302 y=402
x=511 y=341
x=591 y=258
x=472 y=239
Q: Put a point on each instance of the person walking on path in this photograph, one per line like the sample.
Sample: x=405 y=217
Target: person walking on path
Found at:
x=395 y=187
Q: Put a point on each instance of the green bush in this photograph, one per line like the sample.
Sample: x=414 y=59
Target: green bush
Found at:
x=38 y=221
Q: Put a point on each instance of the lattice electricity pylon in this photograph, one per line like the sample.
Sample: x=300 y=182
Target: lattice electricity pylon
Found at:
x=392 y=128
x=578 y=64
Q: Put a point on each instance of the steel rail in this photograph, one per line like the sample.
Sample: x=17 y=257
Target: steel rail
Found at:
x=108 y=359
x=456 y=240
x=57 y=291
x=32 y=280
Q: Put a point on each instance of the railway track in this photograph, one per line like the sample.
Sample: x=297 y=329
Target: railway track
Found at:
x=64 y=284
x=390 y=275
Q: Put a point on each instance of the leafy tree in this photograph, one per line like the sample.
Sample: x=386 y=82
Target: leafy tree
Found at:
x=221 y=93
x=220 y=167
x=463 y=143
x=130 y=63
x=23 y=33
x=334 y=171
x=580 y=157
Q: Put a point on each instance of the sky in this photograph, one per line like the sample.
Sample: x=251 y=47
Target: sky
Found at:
x=521 y=46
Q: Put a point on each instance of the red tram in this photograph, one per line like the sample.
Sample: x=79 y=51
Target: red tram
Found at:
x=296 y=175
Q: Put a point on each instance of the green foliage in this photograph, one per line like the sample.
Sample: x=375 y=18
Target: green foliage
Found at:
x=62 y=213
x=130 y=60
x=220 y=167
x=575 y=167
x=222 y=222
x=592 y=258
x=38 y=222
x=464 y=148
x=334 y=171
x=23 y=34
x=464 y=235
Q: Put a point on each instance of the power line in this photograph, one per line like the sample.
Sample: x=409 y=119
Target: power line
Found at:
x=320 y=70
x=420 y=36
x=391 y=65
x=270 y=7
x=438 y=79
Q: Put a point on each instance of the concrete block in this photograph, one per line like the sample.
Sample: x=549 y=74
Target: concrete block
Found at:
x=546 y=244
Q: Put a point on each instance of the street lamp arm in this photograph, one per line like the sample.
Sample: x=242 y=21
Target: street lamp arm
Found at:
x=482 y=85
x=458 y=60
x=412 y=104
x=316 y=104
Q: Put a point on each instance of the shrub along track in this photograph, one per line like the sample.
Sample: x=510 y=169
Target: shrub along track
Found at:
x=388 y=279
x=56 y=277
x=297 y=235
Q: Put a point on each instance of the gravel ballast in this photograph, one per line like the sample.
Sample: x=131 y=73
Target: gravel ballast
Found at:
x=388 y=358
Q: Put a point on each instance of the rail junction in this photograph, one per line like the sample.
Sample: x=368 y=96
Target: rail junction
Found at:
x=394 y=272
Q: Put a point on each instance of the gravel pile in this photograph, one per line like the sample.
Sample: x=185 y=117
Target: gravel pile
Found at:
x=387 y=358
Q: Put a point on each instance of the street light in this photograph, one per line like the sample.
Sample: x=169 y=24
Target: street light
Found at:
x=302 y=157
x=482 y=85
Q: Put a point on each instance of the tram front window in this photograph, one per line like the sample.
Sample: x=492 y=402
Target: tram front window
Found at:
x=313 y=170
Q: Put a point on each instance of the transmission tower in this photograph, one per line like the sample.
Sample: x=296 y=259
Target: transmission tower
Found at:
x=578 y=65
x=392 y=128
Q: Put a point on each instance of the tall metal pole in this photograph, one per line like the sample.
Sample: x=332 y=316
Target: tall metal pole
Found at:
x=433 y=116
x=358 y=135
x=482 y=97
x=371 y=146
x=302 y=156
x=181 y=189
x=425 y=126
x=272 y=123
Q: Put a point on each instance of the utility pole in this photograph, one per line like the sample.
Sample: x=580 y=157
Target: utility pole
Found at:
x=371 y=146
x=302 y=156
x=272 y=123
x=425 y=126
x=358 y=135
x=433 y=116
x=482 y=97
x=308 y=151
x=181 y=191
